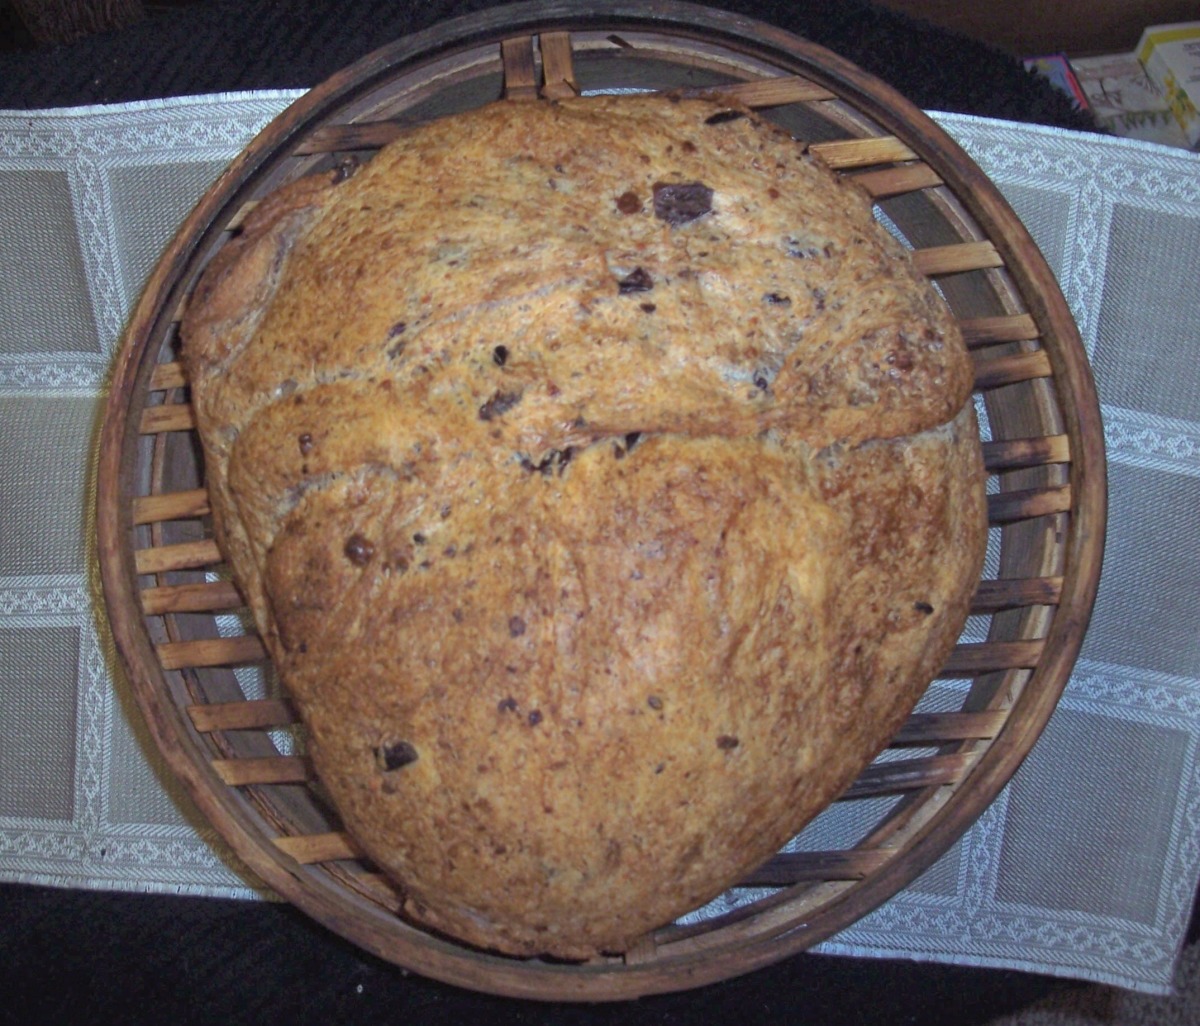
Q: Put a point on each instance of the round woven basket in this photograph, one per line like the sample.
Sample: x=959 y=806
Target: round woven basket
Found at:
x=201 y=676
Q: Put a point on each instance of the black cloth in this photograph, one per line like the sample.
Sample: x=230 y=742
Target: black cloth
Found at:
x=268 y=44
x=85 y=957
x=80 y=956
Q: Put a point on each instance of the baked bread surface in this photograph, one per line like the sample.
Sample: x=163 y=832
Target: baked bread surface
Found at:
x=605 y=486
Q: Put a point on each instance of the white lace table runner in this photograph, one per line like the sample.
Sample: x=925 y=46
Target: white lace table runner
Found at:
x=1087 y=863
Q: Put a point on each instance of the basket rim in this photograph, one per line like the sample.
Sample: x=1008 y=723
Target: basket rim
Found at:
x=448 y=961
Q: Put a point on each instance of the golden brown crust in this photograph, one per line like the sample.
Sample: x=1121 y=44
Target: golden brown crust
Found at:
x=604 y=483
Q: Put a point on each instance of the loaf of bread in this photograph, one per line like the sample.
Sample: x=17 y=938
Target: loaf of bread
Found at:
x=605 y=485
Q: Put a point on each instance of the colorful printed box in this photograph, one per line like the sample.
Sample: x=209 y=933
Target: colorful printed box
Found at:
x=1171 y=57
x=1124 y=100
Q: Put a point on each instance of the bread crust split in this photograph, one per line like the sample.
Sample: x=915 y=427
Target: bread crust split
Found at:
x=605 y=485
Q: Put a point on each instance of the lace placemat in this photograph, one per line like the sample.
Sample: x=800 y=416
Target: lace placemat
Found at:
x=1085 y=866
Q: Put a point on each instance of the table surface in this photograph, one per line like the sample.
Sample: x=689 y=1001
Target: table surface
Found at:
x=108 y=947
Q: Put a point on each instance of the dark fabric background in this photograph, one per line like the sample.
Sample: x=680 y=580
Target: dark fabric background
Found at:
x=255 y=44
x=79 y=957
x=101 y=958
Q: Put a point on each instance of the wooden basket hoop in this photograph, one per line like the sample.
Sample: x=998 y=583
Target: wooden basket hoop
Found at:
x=192 y=662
